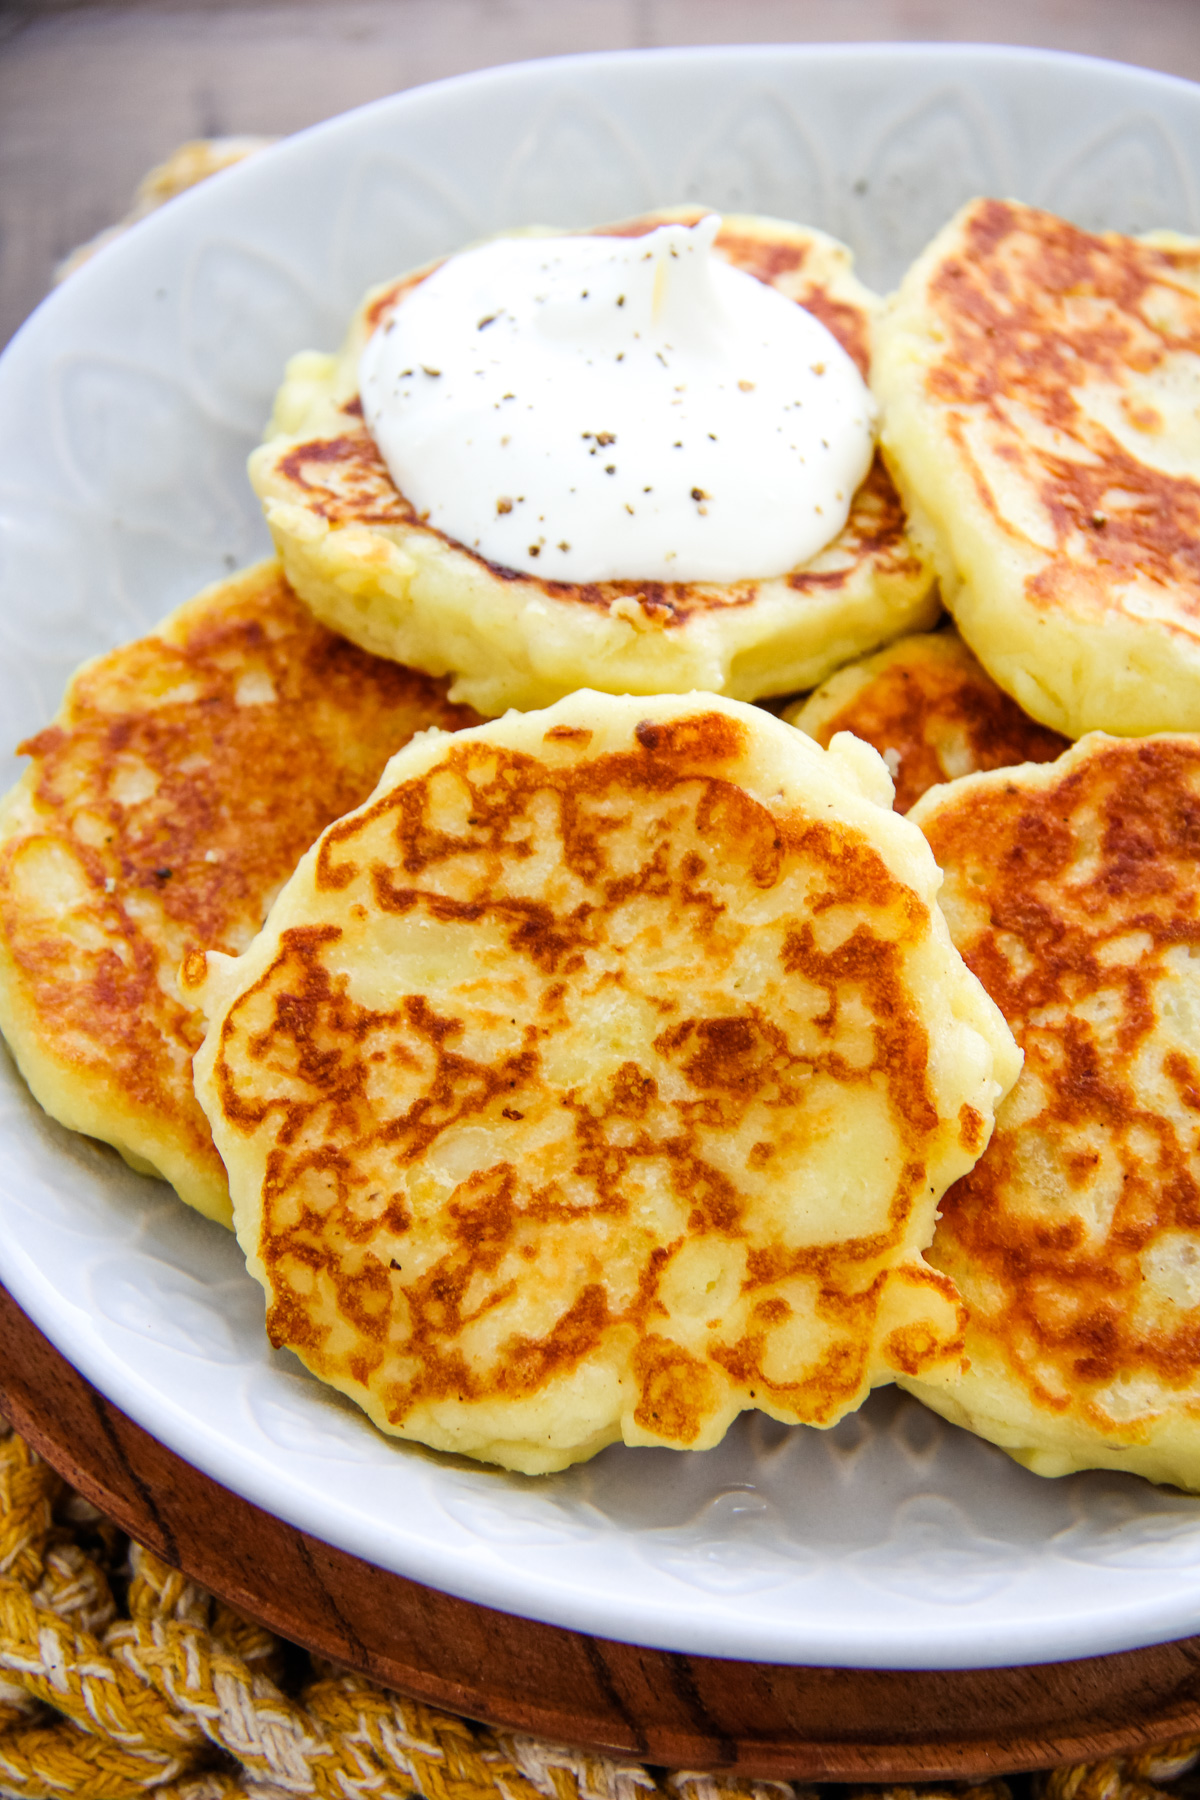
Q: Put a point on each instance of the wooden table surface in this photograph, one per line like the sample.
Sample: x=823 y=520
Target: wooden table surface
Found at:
x=93 y=95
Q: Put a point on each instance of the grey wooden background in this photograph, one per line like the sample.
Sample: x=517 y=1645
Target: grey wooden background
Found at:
x=92 y=95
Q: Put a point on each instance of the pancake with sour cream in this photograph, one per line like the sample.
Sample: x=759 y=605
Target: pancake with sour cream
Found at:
x=1039 y=388
x=932 y=712
x=1073 y=892
x=600 y=1078
x=182 y=780
x=654 y=427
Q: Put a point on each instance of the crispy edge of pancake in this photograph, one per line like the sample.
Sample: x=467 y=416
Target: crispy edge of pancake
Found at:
x=1036 y=618
x=355 y=551
x=76 y=1076
x=924 y=703
x=98 y=1109
x=969 y=1059
x=983 y=1405
x=989 y=1398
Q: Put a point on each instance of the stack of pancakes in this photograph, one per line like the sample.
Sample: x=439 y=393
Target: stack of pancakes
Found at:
x=598 y=1071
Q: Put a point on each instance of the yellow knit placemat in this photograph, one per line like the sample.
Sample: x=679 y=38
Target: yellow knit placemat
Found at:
x=120 y=1677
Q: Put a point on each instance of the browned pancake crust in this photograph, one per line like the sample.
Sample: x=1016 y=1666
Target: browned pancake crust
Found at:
x=917 y=706
x=1090 y=885
x=344 y=479
x=181 y=812
x=325 y=1044
x=1033 y=307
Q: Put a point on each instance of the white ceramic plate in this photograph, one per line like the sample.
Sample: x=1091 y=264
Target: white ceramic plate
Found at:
x=127 y=406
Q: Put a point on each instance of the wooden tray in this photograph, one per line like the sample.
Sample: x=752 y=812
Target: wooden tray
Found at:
x=673 y=1710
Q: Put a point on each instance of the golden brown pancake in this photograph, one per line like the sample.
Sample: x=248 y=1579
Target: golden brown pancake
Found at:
x=599 y=1079
x=356 y=551
x=932 y=712
x=181 y=782
x=1040 y=387
x=1073 y=892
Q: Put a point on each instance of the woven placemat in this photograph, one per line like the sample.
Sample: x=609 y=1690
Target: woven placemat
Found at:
x=120 y=1677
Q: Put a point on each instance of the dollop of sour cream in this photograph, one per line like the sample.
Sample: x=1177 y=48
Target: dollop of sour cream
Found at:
x=603 y=409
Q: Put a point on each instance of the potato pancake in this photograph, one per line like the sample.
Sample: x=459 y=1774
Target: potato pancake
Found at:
x=599 y=1078
x=1040 y=387
x=183 y=779
x=356 y=551
x=1073 y=892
